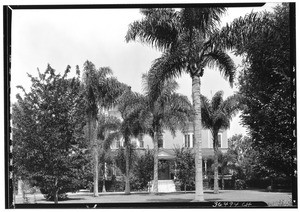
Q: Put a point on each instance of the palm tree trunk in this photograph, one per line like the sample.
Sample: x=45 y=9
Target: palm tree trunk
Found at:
x=216 y=183
x=197 y=135
x=223 y=182
x=155 y=173
x=56 y=191
x=96 y=171
x=92 y=126
x=127 y=183
x=103 y=180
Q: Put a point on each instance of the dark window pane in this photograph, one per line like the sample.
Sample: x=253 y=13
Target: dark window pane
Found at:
x=160 y=143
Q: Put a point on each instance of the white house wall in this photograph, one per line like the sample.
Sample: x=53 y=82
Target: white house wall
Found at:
x=169 y=142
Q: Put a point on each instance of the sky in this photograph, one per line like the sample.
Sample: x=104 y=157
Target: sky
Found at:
x=70 y=37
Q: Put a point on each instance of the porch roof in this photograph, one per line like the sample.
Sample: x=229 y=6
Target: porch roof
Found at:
x=168 y=154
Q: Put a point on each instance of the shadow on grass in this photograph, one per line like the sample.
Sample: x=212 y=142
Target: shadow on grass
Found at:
x=170 y=200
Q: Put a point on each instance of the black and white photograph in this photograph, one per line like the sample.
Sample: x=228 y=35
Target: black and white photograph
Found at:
x=152 y=105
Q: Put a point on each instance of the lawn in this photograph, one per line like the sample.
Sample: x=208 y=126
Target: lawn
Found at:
x=274 y=199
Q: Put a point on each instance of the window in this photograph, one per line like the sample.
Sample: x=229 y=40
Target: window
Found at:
x=219 y=140
x=134 y=143
x=186 y=140
x=193 y=140
x=141 y=144
x=160 y=143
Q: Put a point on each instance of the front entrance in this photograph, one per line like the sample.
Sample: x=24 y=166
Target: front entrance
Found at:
x=163 y=170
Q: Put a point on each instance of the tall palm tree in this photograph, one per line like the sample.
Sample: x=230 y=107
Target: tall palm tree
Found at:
x=107 y=132
x=100 y=91
x=216 y=115
x=169 y=110
x=129 y=105
x=184 y=36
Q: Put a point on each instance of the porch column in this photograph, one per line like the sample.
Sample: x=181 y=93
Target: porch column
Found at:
x=175 y=171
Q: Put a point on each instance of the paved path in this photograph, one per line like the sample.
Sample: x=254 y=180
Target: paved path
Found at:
x=271 y=198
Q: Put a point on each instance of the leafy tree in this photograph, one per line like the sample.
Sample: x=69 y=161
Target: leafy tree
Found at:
x=185 y=166
x=216 y=115
x=169 y=110
x=47 y=133
x=143 y=168
x=187 y=40
x=245 y=157
x=100 y=92
x=266 y=84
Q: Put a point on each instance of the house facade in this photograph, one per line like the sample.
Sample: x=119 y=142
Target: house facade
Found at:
x=166 y=155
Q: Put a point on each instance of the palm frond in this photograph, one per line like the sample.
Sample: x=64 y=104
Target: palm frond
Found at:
x=240 y=31
x=232 y=105
x=169 y=66
x=223 y=61
x=204 y=19
x=111 y=89
x=217 y=100
x=158 y=28
x=217 y=113
x=206 y=113
x=110 y=138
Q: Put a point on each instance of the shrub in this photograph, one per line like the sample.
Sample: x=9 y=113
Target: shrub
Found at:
x=240 y=184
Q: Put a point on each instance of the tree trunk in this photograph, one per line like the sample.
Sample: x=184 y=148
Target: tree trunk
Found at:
x=155 y=173
x=127 y=183
x=56 y=191
x=197 y=135
x=93 y=140
x=103 y=186
x=103 y=179
x=215 y=143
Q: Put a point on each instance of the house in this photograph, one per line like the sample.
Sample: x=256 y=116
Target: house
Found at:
x=166 y=155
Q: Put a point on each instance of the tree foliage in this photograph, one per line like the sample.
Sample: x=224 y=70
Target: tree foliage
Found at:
x=166 y=111
x=244 y=161
x=185 y=37
x=107 y=132
x=100 y=91
x=143 y=169
x=48 y=139
x=266 y=84
x=185 y=167
x=216 y=115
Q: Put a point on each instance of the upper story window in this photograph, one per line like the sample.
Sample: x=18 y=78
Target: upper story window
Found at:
x=160 y=143
x=141 y=143
x=189 y=140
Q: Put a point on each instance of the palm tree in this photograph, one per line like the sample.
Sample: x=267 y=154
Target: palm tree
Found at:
x=100 y=91
x=107 y=132
x=169 y=110
x=130 y=105
x=185 y=37
x=216 y=115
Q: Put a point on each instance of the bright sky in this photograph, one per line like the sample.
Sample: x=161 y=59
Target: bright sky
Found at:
x=70 y=37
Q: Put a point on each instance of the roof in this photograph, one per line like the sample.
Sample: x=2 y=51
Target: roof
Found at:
x=166 y=154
